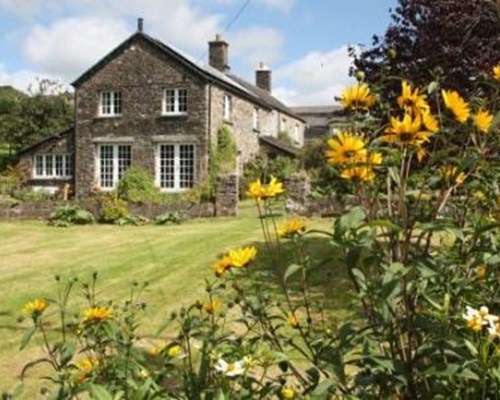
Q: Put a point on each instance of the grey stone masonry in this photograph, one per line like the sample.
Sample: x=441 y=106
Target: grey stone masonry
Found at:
x=227 y=196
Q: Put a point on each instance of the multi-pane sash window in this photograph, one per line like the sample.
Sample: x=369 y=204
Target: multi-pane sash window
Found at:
x=55 y=166
x=175 y=101
x=176 y=166
x=227 y=107
x=112 y=161
x=110 y=104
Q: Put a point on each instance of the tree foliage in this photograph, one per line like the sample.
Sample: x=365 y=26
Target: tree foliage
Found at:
x=453 y=40
x=26 y=118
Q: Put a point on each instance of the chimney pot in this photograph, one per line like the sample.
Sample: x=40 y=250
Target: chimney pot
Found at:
x=140 y=24
x=263 y=77
x=218 y=53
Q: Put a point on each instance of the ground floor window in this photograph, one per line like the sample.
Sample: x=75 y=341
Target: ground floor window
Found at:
x=175 y=166
x=54 y=166
x=112 y=162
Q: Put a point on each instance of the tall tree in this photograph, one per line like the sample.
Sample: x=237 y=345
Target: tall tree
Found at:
x=456 y=40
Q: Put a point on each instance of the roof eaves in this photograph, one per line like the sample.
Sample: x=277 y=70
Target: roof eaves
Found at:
x=41 y=142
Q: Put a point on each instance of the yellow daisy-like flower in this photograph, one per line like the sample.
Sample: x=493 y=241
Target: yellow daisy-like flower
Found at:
x=242 y=256
x=97 y=314
x=496 y=72
x=287 y=393
x=483 y=120
x=357 y=97
x=346 y=148
x=85 y=367
x=292 y=321
x=221 y=266
x=406 y=132
x=35 y=307
x=174 y=351
x=260 y=191
x=374 y=159
x=451 y=173
x=212 y=306
x=359 y=174
x=412 y=101
x=292 y=227
x=430 y=122
x=456 y=104
x=480 y=271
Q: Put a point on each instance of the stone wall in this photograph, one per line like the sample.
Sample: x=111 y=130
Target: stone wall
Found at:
x=299 y=200
x=227 y=196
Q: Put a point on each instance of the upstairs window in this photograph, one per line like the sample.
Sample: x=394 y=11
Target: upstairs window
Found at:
x=256 y=123
x=227 y=107
x=54 y=166
x=110 y=104
x=175 y=102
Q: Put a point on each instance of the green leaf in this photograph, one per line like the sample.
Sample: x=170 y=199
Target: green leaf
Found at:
x=431 y=87
x=291 y=270
x=27 y=337
x=323 y=388
x=351 y=220
x=99 y=392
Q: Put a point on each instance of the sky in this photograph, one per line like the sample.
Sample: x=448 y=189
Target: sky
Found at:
x=303 y=42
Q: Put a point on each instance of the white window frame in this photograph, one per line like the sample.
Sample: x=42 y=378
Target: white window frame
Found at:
x=111 y=107
x=177 y=167
x=178 y=105
x=116 y=170
x=227 y=111
x=255 y=119
x=49 y=166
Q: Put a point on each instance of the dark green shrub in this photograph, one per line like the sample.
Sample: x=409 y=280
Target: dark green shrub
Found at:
x=9 y=201
x=112 y=208
x=70 y=214
x=285 y=137
x=168 y=218
x=137 y=186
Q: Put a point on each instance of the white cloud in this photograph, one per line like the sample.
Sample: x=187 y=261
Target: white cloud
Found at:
x=255 y=44
x=71 y=45
x=315 y=79
x=22 y=79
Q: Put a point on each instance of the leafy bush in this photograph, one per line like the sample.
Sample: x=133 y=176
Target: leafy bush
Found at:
x=9 y=201
x=137 y=186
x=168 y=218
x=70 y=214
x=112 y=208
x=30 y=196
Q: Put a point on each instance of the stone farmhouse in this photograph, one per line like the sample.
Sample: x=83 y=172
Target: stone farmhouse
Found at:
x=147 y=104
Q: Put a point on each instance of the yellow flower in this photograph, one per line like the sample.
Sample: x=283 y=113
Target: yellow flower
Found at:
x=242 y=256
x=360 y=174
x=96 y=314
x=496 y=72
x=374 y=159
x=357 y=97
x=85 y=367
x=292 y=321
x=480 y=271
x=483 y=120
x=430 y=122
x=291 y=227
x=174 y=351
x=287 y=393
x=406 y=132
x=35 y=307
x=456 y=104
x=451 y=173
x=221 y=266
x=259 y=191
x=212 y=306
x=346 y=148
x=412 y=101
x=477 y=319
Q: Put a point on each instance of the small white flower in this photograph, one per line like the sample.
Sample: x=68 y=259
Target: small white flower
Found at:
x=230 y=369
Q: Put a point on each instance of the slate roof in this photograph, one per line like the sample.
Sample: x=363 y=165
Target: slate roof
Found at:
x=53 y=138
x=278 y=144
x=227 y=81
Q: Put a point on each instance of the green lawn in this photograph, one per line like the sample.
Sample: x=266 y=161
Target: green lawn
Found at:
x=174 y=259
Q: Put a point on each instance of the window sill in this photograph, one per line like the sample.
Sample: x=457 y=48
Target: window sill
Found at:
x=51 y=178
x=227 y=122
x=103 y=117
x=174 y=115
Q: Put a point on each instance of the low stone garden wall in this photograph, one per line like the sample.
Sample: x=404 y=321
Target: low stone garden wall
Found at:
x=225 y=204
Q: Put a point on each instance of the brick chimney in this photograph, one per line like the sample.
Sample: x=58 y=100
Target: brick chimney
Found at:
x=140 y=24
x=263 y=77
x=218 y=54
